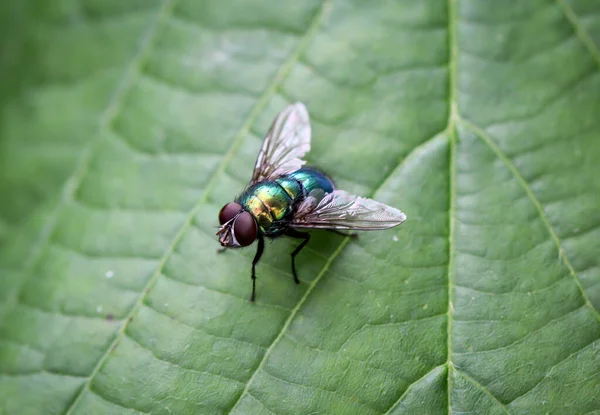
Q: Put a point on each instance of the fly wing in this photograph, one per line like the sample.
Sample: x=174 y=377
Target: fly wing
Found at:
x=342 y=211
x=287 y=141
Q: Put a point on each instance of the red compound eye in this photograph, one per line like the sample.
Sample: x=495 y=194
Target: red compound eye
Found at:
x=245 y=229
x=229 y=211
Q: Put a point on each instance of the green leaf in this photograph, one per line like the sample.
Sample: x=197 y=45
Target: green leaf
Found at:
x=126 y=125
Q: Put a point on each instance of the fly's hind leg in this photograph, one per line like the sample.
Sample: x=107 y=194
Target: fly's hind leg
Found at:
x=298 y=235
x=259 y=251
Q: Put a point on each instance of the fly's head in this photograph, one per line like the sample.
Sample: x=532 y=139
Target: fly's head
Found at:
x=238 y=227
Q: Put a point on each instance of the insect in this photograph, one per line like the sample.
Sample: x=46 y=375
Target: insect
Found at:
x=284 y=197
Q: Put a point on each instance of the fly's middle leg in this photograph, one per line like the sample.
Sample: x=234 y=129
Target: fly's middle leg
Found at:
x=298 y=235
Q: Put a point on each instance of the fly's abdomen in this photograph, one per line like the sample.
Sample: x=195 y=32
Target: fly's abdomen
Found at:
x=312 y=179
x=268 y=202
x=291 y=186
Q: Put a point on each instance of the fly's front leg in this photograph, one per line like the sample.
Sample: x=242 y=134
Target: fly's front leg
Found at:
x=298 y=235
x=259 y=251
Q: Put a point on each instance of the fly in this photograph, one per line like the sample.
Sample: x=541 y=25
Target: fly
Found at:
x=284 y=198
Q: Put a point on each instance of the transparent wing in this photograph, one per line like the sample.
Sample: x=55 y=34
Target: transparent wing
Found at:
x=343 y=211
x=287 y=141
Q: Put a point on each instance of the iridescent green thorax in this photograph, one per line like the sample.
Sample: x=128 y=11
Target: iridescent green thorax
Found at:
x=268 y=202
x=272 y=203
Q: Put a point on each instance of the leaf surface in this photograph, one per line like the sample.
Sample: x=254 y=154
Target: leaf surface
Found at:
x=125 y=126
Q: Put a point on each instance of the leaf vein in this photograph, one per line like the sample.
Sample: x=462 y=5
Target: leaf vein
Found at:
x=213 y=290
x=84 y=161
x=351 y=359
x=262 y=404
x=562 y=254
x=525 y=337
x=60 y=313
x=325 y=268
x=451 y=132
x=105 y=399
x=501 y=293
x=255 y=112
x=548 y=103
x=40 y=372
x=328 y=391
x=215 y=88
x=16 y=344
x=171 y=363
x=482 y=388
x=409 y=388
x=554 y=366
x=579 y=30
x=204 y=331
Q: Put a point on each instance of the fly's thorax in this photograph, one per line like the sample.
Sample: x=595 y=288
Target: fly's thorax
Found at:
x=268 y=202
x=256 y=208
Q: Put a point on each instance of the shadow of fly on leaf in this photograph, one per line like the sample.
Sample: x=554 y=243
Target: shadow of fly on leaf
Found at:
x=284 y=198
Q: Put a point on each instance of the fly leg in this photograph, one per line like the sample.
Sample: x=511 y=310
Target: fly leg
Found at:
x=259 y=251
x=298 y=235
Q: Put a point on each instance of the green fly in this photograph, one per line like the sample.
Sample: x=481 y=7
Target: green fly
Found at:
x=283 y=197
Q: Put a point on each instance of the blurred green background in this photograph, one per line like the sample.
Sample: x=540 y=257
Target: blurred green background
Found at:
x=126 y=125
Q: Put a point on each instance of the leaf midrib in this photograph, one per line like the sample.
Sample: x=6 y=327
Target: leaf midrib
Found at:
x=131 y=73
x=453 y=120
x=451 y=134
